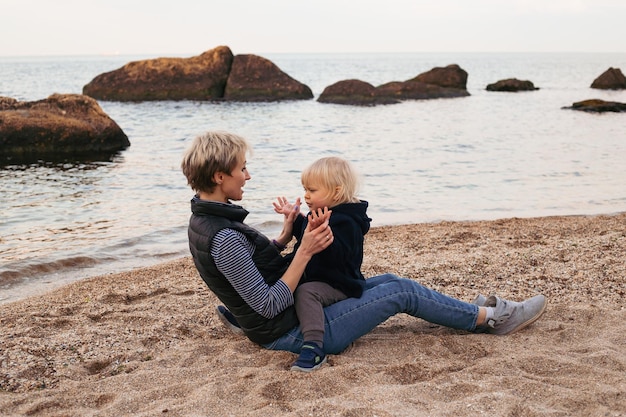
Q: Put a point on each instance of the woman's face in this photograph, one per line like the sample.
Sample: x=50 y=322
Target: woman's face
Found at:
x=232 y=185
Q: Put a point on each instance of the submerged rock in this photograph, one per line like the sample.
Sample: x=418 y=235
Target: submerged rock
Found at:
x=598 y=106
x=512 y=85
x=60 y=127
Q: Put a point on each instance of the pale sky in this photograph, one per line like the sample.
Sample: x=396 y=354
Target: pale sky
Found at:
x=190 y=27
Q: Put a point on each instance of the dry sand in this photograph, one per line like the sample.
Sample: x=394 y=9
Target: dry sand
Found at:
x=148 y=343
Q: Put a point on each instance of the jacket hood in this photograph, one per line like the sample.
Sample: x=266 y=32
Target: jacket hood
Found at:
x=357 y=211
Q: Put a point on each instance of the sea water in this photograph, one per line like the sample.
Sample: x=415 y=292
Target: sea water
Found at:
x=487 y=156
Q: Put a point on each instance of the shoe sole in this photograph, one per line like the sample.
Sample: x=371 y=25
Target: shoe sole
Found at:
x=300 y=369
x=529 y=321
x=228 y=324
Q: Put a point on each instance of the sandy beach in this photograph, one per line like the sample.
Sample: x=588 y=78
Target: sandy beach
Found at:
x=148 y=342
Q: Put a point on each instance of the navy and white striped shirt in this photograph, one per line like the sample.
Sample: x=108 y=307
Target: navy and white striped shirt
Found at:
x=232 y=254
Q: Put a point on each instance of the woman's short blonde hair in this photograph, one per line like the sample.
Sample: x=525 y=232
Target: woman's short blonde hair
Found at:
x=209 y=153
x=336 y=175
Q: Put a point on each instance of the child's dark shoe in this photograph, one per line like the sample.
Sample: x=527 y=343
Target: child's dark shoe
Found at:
x=311 y=357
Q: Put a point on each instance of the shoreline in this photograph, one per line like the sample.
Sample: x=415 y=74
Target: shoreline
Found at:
x=51 y=280
x=147 y=341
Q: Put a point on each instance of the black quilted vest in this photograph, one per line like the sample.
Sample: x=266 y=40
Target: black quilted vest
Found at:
x=207 y=219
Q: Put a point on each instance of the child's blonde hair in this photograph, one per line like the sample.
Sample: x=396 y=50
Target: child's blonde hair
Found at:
x=209 y=153
x=336 y=175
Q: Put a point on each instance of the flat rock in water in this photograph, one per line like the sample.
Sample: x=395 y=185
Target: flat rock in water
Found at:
x=598 y=106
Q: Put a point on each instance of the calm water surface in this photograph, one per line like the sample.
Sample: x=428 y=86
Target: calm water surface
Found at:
x=487 y=156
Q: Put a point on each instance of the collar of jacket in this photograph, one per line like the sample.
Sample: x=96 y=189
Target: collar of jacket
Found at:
x=214 y=208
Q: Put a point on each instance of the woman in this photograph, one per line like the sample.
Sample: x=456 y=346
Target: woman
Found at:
x=248 y=274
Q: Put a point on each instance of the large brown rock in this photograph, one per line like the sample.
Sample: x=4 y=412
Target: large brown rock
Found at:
x=63 y=126
x=439 y=82
x=512 y=85
x=598 y=106
x=215 y=75
x=254 y=78
x=201 y=77
x=611 y=79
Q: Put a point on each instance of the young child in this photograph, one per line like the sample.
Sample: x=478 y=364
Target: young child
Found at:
x=335 y=273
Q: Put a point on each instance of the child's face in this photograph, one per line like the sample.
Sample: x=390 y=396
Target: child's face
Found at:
x=317 y=196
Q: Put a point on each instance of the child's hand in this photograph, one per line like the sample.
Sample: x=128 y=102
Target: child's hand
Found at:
x=284 y=207
x=290 y=213
x=317 y=218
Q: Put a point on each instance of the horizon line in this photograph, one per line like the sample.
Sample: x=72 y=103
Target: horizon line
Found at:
x=191 y=54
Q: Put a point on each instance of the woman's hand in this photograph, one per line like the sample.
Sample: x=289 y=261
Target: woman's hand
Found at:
x=318 y=234
x=314 y=240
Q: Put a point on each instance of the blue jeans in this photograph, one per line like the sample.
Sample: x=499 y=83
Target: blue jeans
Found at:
x=384 y=296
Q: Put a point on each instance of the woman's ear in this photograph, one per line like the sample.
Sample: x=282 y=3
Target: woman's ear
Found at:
x=218 y=177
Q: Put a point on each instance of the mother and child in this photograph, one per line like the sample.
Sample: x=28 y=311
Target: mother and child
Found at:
x=314 y=300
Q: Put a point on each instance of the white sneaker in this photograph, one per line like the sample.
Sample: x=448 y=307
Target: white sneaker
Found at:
x=511 y=316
